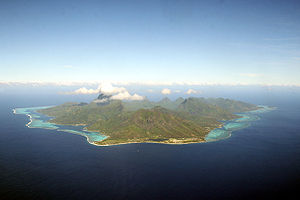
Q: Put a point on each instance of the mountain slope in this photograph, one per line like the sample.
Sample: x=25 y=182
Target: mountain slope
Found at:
x=150 y=125
x=197 y=107
x=71 y=113
x=180 y=121
x=231 y=105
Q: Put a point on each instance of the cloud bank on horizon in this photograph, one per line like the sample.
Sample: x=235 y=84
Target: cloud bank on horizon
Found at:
x=139 y=83
x=118 y=93
x=166 y=91
x=191 y=91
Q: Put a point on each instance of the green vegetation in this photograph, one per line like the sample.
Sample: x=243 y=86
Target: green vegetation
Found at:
x=181 y=121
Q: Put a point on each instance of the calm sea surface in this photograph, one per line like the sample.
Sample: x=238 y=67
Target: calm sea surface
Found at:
x=262 y=160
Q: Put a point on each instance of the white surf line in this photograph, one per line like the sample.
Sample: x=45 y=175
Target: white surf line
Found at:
x=76 y=133
x=30 y=118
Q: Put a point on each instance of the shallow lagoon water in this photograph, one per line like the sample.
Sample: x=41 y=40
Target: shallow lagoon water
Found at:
x=257 y=162
x=38 y=120
x=236 y=124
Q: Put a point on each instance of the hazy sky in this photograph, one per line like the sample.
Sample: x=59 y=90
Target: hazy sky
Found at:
x=252 y=42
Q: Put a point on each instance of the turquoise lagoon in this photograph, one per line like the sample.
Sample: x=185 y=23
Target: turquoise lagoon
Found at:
x=38 y=120
x=232 y=125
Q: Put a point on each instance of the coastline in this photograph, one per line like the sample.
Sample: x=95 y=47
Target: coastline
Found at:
x=180 y=142
x=107 y=145
x=230 y=125
x=259 y=107
x=94 y=143
x=30 y=118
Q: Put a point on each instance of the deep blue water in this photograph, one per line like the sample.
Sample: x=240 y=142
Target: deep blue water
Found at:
x=262 y=160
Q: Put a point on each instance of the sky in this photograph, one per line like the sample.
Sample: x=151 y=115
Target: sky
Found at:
x=205 y=42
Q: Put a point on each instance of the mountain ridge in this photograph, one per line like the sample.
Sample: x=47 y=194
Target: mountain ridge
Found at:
x=166 y=121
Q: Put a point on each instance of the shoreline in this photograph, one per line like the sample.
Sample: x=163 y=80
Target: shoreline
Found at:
x=30 y=118
x=107 y=145
x=259 y=107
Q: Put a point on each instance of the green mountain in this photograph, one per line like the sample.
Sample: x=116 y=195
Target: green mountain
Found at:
x=231 y=105
x=136 y=105
x=166 y=121
x=73 y=114
x=198 y=107
x=146 y=125
x=167 y=103
x=179 y=101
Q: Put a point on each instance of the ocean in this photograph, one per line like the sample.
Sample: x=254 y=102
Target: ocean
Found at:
x=261 y=160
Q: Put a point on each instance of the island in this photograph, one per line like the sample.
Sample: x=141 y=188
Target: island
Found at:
x=180 y=121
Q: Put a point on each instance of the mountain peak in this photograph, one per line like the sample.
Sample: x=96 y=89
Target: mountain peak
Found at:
x=102 y=99
x=166 y=99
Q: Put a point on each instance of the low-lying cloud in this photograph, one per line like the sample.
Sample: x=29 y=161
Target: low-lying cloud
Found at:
x=107 y=88
x=191 y=91
x=166 y=91
x=119 y=93
x=126 y=96
x=84 y=90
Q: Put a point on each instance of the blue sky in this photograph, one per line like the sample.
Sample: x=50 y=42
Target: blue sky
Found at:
x=225 y=42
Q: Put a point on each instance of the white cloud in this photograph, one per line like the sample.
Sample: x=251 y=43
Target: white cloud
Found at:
x=126 y=96
x=177 y=91
x=191 y=91
x=124 y=83
x=108 y=89
x=84 y=90
x=105 y=88
x=119 y=93
x=166 y=91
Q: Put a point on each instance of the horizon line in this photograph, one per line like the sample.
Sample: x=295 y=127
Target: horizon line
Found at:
x=142 y=83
